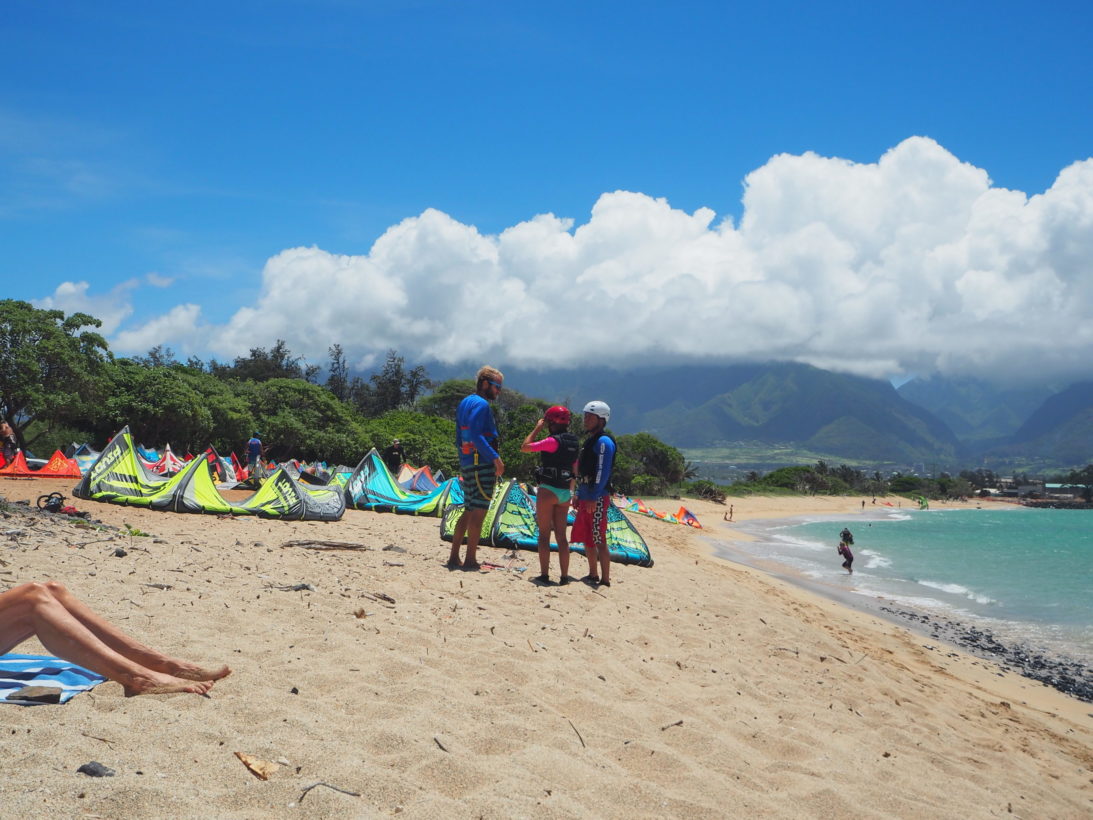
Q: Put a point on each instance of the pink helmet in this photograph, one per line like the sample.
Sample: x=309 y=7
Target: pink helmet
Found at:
x=557 y=415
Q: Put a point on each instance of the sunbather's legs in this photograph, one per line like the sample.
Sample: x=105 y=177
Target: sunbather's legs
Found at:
x=36 y=610
x=127 y=646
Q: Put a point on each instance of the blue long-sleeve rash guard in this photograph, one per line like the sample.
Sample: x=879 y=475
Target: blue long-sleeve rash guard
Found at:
x=605 y=462
x=475 y=430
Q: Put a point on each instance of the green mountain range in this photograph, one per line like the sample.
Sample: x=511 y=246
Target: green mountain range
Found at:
x=792 y=413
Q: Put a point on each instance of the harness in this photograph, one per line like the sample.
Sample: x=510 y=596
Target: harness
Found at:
x=556 y=469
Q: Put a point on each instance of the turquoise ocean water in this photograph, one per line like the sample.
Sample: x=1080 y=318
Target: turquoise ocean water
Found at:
x=1025 y=574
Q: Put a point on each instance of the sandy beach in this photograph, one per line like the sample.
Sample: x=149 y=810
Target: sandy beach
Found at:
x=696 y=688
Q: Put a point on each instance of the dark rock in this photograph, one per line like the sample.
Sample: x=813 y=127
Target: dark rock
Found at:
x=96 y=769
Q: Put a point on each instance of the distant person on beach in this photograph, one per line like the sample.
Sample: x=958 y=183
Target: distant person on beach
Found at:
x=480 y=465
x=393 y=456
x=728 y=516
x=556 y=475
x=8 y=444
x=70 y=630
x=594 y=466
x=254 y=453
x=848 y=556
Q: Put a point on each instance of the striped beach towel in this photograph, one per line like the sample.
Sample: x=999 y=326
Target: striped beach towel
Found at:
x=20 y=671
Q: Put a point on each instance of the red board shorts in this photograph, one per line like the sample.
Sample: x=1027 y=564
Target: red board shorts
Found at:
x=591 y=527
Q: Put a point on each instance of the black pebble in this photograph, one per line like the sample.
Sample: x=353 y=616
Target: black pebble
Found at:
x=96 y=769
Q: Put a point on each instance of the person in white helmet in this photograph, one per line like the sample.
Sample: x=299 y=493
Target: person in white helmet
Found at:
x=594 y=466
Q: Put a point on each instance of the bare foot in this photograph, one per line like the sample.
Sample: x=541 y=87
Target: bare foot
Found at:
x=191 y=671
x=155 y=683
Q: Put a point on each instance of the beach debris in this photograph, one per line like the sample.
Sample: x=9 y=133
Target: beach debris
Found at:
x=95 y=769
x=393 y=548
x=300 y=799
x=301 y=587
x=393 y=564
x=670 y=725
x=382 y=597
x=361 y=613
x=261 y=769
x=158 y=586
x=443 y=748
x=574 y=728
x=120 y=553
x=311 y=544
x=96 y=737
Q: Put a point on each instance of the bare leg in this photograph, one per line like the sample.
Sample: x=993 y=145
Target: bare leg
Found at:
x=599 y=519
x=544 y=519
x=42 y=610
x=127 y=646
x=561 y=515
x=457 y=538
x=475 y=517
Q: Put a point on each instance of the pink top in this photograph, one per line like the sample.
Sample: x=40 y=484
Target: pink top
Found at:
x=547 y=445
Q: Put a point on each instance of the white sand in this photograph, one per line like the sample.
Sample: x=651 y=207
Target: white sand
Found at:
x=695 y=688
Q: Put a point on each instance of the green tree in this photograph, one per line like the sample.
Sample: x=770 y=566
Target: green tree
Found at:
x=262 y=365
x=159 y=406
x=50 y=368
x=303 y=420
x=427 y=440
x=446 y=397
x=642 y=454
x=337 y=379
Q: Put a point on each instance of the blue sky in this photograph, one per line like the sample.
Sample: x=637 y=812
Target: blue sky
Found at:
x=157 y=159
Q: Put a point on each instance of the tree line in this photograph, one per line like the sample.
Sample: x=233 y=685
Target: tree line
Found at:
x=62 y=384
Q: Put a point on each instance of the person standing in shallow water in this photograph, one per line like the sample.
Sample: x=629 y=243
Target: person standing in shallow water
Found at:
x=847 y=555
x=556 y=474
x=595 y=464
x=480 y=465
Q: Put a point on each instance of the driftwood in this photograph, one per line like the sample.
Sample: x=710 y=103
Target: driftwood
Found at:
x=310 y=544
x=379 y=596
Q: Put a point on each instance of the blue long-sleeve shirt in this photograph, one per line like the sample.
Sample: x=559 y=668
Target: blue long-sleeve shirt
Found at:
x=475 y=431
x=604 y=452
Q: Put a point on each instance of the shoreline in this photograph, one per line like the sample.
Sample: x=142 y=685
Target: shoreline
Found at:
x=1055 y=669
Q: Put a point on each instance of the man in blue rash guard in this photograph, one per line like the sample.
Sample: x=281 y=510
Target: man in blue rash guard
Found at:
x=594 y=465
x=479 y=464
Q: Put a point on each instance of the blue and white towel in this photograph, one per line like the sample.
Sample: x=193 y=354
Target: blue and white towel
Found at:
x=17 y=671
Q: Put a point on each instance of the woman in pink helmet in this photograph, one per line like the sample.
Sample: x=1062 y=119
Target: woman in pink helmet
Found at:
x=557 y=459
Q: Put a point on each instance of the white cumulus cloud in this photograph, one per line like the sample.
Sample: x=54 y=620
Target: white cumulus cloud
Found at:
x=73 y=297
x=914 y=263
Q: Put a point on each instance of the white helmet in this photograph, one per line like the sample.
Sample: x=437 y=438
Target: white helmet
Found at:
x=599 y=408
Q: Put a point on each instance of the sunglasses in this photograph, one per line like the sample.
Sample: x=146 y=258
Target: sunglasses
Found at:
x=498 y=385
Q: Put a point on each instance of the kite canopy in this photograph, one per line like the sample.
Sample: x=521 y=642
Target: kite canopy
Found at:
x=119 y=477
x=57 y=467
x=372 y=487
x=84 y=454
x=510 y=523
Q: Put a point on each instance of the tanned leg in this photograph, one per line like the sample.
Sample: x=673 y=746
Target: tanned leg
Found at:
x=36 y=610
